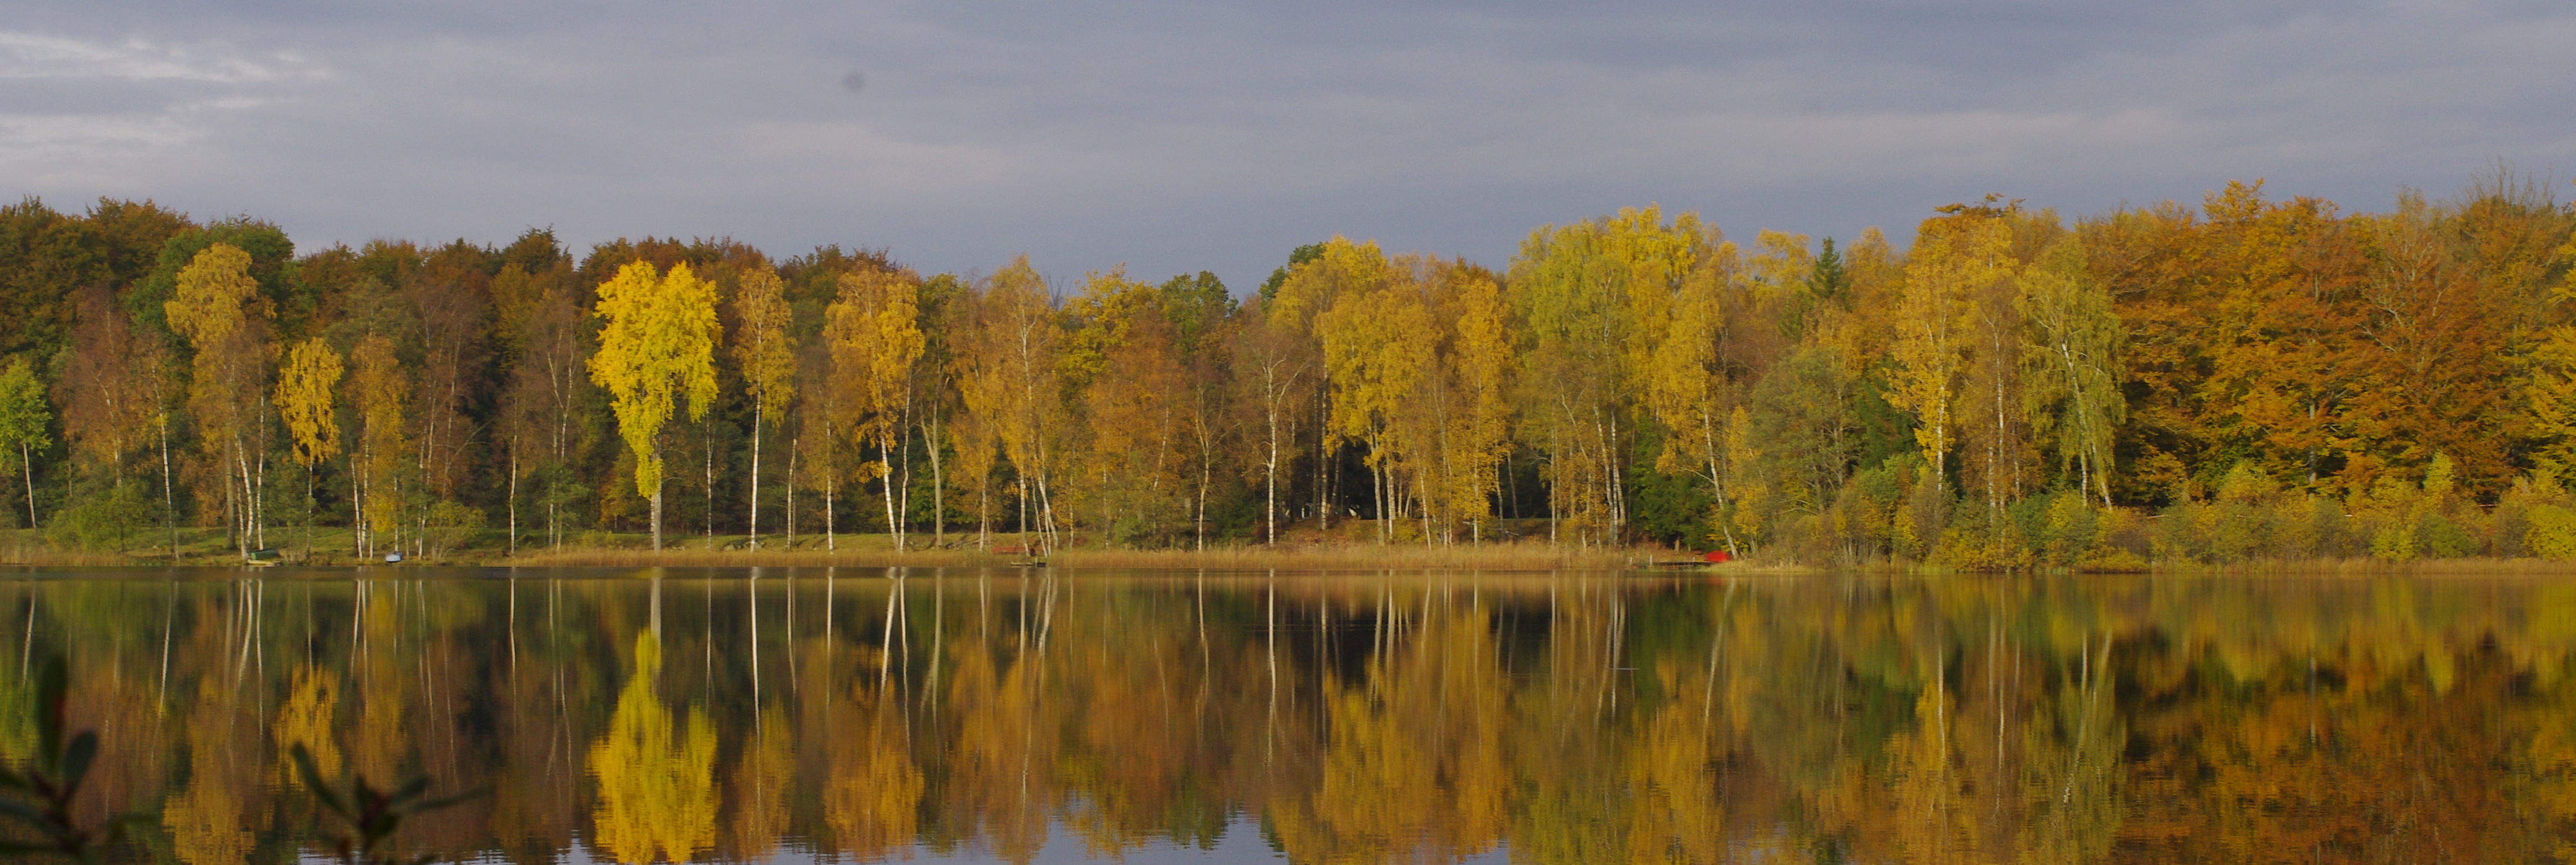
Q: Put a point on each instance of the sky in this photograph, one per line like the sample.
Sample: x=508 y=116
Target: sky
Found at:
x=1173 y=137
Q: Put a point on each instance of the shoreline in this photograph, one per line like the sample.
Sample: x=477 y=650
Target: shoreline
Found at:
x=206 y=548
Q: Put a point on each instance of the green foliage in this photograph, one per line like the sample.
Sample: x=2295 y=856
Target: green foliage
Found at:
x=1667 y=508
x=103 y=516
x=2436 y=536
x=1195 y=306
x=25 y=417
x=449 y=525
x=272 y=265
x=1828 y=280
x=1279 y=276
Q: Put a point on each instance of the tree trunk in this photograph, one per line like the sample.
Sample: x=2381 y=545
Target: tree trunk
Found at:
x=759 y=409
x=793 y=444
x=938 y=480
x=709 y=440
x=903 y=494
x=886 y=483
x=1377 y=489
x=514 y=504
x=169 y=501
x=357 y=507
x=1270 y=478
x=25 y=464
x=658 y=482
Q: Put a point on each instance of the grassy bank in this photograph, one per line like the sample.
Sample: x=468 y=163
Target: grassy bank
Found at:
x=1312 y=557
x=334 y=547
x=1306 y=553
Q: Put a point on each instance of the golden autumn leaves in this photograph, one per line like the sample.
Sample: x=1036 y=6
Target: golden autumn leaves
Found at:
x=658 y=342
x=218 y=310
x=657 y=345
x=657 y=793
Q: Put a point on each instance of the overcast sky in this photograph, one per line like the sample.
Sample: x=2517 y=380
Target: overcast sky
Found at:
x=1182 y=136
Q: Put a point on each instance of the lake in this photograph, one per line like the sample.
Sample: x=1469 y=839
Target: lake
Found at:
x=1030 y=715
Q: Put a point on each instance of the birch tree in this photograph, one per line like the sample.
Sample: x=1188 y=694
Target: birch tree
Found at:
x=376 y=467
x=1593 y=297
x=2071 y=364
x=304 y=391
x=217 y=309
x=656 y=347
x=874 y=330
x=1272 y=366
x=24 y=417
x=1011 y=384
x=766 y=352
x=1952 y=261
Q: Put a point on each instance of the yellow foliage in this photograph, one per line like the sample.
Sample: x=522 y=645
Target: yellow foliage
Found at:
x=304 y=400
x=874 y=329
x=383 y=440
x=763 y=347
x=1948 y=268
x=2553 y=532
x=657 y=345
x=213 y=293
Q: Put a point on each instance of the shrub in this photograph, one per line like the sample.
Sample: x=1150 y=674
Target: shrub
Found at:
x=2438 y=536
x=450 y=525
x=102 y=520
x=2553 y=532
x=2395 y=543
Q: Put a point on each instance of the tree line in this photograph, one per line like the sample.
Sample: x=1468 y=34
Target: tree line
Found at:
x=2249 y=378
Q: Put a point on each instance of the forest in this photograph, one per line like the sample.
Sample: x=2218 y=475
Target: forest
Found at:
x=2249 y=379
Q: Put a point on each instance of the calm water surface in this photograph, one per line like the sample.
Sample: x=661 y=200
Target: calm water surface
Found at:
x=800 y=716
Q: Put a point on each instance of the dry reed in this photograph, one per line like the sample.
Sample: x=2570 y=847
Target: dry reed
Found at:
x=1304 y=557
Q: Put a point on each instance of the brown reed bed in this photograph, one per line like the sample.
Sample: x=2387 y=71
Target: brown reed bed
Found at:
x=2372 y=567
x=875 y=551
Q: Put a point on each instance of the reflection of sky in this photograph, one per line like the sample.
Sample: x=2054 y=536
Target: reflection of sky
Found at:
x=1180 y=136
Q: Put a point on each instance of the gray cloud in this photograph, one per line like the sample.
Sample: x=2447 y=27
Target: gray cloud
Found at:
x=1174 y=137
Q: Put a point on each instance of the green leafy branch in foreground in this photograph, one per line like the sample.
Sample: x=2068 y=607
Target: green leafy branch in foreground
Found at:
x=45 y=790
x=370 y=816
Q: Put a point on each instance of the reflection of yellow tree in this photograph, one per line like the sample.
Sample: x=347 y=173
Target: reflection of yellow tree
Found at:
x=1677 y=815
x=209 y=823
x=997 y=779
x=306 y=720
x=385 y=726
x=762 y=777
x=206 y=824
x=874 y=797
x=2070 y=782
x=657 y=794
x=1417 y=772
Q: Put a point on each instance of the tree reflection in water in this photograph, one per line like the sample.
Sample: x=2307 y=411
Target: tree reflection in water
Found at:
x=1413 y=717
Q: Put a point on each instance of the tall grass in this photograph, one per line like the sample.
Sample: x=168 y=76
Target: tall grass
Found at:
x=1302 y=557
